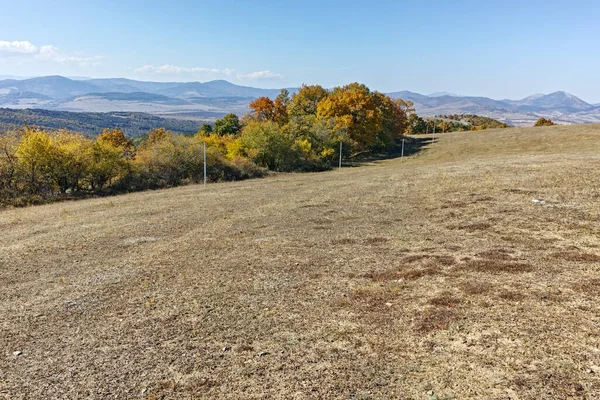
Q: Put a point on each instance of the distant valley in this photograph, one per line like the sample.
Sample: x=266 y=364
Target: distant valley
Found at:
x=210 y=100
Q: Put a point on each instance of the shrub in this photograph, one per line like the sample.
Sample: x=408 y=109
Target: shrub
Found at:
x=544 y=122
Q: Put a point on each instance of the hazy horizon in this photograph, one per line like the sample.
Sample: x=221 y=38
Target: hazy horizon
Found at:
x=501 y=50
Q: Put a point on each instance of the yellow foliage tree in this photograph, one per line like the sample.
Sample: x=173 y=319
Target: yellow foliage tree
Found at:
x=353 y=109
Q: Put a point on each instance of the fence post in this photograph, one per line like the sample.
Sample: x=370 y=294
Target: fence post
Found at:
x=402 y=148
x=204 y=164
x=340 y=167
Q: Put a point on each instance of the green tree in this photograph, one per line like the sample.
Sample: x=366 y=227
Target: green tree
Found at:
x=228 y=125
x=205 y=130
x=265 y=144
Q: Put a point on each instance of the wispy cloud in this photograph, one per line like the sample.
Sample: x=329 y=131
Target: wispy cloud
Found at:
x=49 y=53
x=258 y=75
x=169 y=69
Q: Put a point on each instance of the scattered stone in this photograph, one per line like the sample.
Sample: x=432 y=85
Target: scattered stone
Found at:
x=388 y=304
x=226 y=348
x=538 y=201
x=17 y=353
x=263 y=353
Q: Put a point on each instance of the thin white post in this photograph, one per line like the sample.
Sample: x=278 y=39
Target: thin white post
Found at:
x=340 y=167
x=204 y=164
x=402 y=147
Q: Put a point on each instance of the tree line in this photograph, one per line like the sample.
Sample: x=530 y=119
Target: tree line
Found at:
x=92 y=123
x=301 y=132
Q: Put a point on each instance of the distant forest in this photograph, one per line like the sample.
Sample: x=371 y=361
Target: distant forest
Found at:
x=133 y=124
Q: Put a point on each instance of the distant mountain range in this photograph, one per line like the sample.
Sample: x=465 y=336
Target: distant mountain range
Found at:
x=208 y=100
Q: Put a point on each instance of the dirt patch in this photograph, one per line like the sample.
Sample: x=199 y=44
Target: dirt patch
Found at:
x=436 y=319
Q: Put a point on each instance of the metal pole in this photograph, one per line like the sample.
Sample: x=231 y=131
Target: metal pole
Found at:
x=402 y=147
x=340 y=168
x=204 y=164
x=433 y=137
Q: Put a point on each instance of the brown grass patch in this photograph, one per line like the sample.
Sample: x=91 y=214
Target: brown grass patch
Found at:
x=436 y=319
x=590 y=286
x=511 y=295
x=343 y=241
x=498 y=266
x=446 y=299
x=376 y=240
x=578 y=256
x=475 y=287
x=475 y=227
x=496 y=254
x=429 y=259
x=454 y=204
x=388 y=275
x=418 y=273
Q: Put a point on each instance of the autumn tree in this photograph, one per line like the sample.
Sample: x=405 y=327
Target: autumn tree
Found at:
x=34 y=154
x=282 y=103
x=68 y=160
x=109 y=158
x=9 y=164
x=263 y=109
x=393 y=120
x=354 y=109
x=117 y=139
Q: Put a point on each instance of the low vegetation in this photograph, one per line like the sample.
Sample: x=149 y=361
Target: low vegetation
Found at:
x=544 y=122
x=298 y=133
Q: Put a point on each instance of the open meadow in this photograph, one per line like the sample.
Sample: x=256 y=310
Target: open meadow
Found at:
x=430 y=277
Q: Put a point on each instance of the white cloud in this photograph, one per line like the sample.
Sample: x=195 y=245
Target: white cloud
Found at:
x=17 y=47
x=169 y=69
x=173 y=69
x=52 y=53
x=25 y=50
x=267 y=74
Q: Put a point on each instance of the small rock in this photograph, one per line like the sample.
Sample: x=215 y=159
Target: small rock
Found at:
x=538 y=201
x=17 y=353
x=263 y=353
x=226 y=348
x=388 y=304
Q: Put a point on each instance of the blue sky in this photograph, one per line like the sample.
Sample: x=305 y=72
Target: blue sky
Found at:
x=499 y=49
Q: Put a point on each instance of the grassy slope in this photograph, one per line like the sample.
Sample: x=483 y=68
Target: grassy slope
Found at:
x=434 y=273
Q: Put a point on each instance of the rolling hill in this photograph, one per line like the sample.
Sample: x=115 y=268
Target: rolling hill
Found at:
x=430 y=277
x=132 y=124
x=163 y=98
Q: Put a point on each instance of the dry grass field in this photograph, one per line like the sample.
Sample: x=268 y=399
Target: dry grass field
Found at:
x=429 y=277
